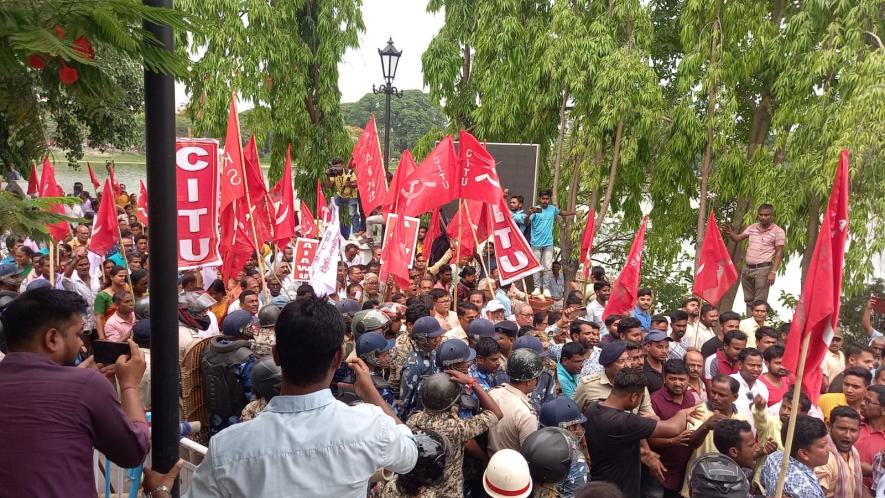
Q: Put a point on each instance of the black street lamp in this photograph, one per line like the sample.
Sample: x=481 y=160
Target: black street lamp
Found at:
x=389 y=61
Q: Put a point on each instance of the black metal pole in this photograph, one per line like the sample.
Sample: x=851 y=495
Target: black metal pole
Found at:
x=159 y=111
x=387 y=91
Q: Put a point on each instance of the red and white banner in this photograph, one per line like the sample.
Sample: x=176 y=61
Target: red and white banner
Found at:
x=302 y=258
x=410 y=234
x=512 y=251
x=196 y=172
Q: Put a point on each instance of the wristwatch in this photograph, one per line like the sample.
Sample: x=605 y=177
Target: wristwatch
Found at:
x=161 y=491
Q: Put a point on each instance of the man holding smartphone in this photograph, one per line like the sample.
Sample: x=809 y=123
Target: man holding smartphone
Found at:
x=542 y=220
x=53 y=413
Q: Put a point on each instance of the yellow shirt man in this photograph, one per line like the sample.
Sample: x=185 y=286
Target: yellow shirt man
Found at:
x=829 y=475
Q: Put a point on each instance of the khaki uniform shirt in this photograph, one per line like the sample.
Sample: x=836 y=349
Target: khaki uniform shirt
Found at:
x=399 y=354
x=520 y=419
x=597 y=387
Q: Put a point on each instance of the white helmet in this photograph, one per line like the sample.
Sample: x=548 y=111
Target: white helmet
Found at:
x=507 y=475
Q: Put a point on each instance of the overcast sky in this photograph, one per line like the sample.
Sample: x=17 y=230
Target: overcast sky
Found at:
x=411 y=27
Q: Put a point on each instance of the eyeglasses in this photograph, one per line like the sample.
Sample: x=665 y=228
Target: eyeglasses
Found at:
x=870 y=402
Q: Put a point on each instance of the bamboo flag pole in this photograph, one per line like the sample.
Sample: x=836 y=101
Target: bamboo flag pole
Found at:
x=125 y=261
x=794 y=411
x=52 y=263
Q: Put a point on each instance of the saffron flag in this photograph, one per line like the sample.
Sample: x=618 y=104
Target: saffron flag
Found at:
x=324 y=270
x=587 y=242
x=405 y=168
x=817 y=313
x=512 y=252
x=284 y=224
x=232 y=187
x=49 y=188
x=478 y=175
x=433 y=183
x=625 y=290
x=433 y=231
x=260 y=210
x=142 y=212
x=397 y=254
x=92 y=177
x=715 y=273
x=105 y=232
x=33 y=182
x=322 y=205
x=308 y=225
x=370 y=171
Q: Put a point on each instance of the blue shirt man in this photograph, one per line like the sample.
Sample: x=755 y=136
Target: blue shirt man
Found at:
x=542 y=225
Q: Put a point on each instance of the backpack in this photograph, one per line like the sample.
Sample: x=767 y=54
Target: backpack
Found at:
x=225 y=395
x=715 y=475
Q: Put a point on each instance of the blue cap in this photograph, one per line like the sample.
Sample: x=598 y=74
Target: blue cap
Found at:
x=452 y=352
x=8 y=269
x=611 y=352
x=657 y=336
x=38 y=284
x=427 y=326
x=507 y=327
x=373 y=341
x=560 y=412
x=346 y=306
x=529 y=342
x=235 y=322
x=481 y=327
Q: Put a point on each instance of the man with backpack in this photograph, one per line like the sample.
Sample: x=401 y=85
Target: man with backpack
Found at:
x=724 y=474
x=227 y=364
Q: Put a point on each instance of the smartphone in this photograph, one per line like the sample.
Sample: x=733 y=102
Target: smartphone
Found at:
x=107 y=352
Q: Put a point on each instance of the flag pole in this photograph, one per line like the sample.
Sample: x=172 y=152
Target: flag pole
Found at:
x=125 y=259
x=794 y=411
x=476 y=241
x=52 y=262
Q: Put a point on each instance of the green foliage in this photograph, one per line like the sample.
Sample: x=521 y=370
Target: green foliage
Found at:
x=411 y=117
x=282 y=57
x=31 y=217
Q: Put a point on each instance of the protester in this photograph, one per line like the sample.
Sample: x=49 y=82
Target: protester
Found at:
x=678 y=327
x=764 y=252
x=775 y=376
x=728 y=321
x=841 y=475
x=726 y=360
x=809 y=451
x=871 y=439
x=657 y=349
x=834 y=359
x=704 y=329
x=643 y=309
x=104 y=300
x=569 y=367
x=758 y=318
x=542 y=220
x=694 y=361
x=667 y=403
x=748 y=378
x=765 y=338
x=855 y=382
x=119 y=326
x=856 y=355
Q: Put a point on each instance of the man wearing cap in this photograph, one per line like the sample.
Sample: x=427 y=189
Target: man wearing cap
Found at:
x=520 y=418
x=546 y=388
x=457 y=355
x=403 y=345
x=421 y=362
x=505 y=332
x=193 y=320
x=487 y=367
x=374 y=350
x=495 y=311
x=614 y=357
x=657 y=349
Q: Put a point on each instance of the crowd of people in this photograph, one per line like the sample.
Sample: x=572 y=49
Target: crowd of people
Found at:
x=454 y=386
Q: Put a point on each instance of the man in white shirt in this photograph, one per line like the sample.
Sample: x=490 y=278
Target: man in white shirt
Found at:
x=306 y=442
x=758 y=318
x=748 y=377
x=596 y=308
x=705 y=329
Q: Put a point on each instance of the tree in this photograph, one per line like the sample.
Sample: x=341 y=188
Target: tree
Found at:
x=76 y=64
x=412 y=116
x=282 y=57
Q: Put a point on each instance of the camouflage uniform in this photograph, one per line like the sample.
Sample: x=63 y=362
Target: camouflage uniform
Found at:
x=544 y=391
x=264 y=341
x=253 y=409
x=546 y=490
x=384 y=389
x=418 y=366
x=456 y=432
x=398 y=357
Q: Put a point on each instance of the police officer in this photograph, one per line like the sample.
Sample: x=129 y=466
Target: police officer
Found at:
x=266 y=379
x=486 y=369
x=457 y=355
x=421 y=362
x=226 y=365
x=404 y=345
x=520 y=417
x=440 y=395
x=362 y=322
x=265 y=338
x=549 y=453
x=428 y=470
x=562 y=412
x=374 y=350
x=546 y=388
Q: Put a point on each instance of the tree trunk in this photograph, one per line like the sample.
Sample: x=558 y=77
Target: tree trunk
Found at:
x=557 y=162
x=565 y=231
x=812 y=230
x=706 y=166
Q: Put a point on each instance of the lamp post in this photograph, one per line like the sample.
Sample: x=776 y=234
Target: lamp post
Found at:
x=389 y=60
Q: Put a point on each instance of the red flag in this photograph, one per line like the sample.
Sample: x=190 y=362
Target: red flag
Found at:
x=715 y=273
x=433 y=231
x=370 y=170
x=104 y=227
x=49 y=188
x=142 y=212
x=433 y=183
x=405 y=168
x=322 y=205
x=92 y=177
x=459 y=228
x=308 y=225
x=479 y=178
x=817 y=313
x=396 y=257
x=114 y=183
x=33 y=182
x=232 y=167
x=587 y=241
x=260 y=211
x=284 y=228
x=512 y=252
x=241 y=246
x=626 y=287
